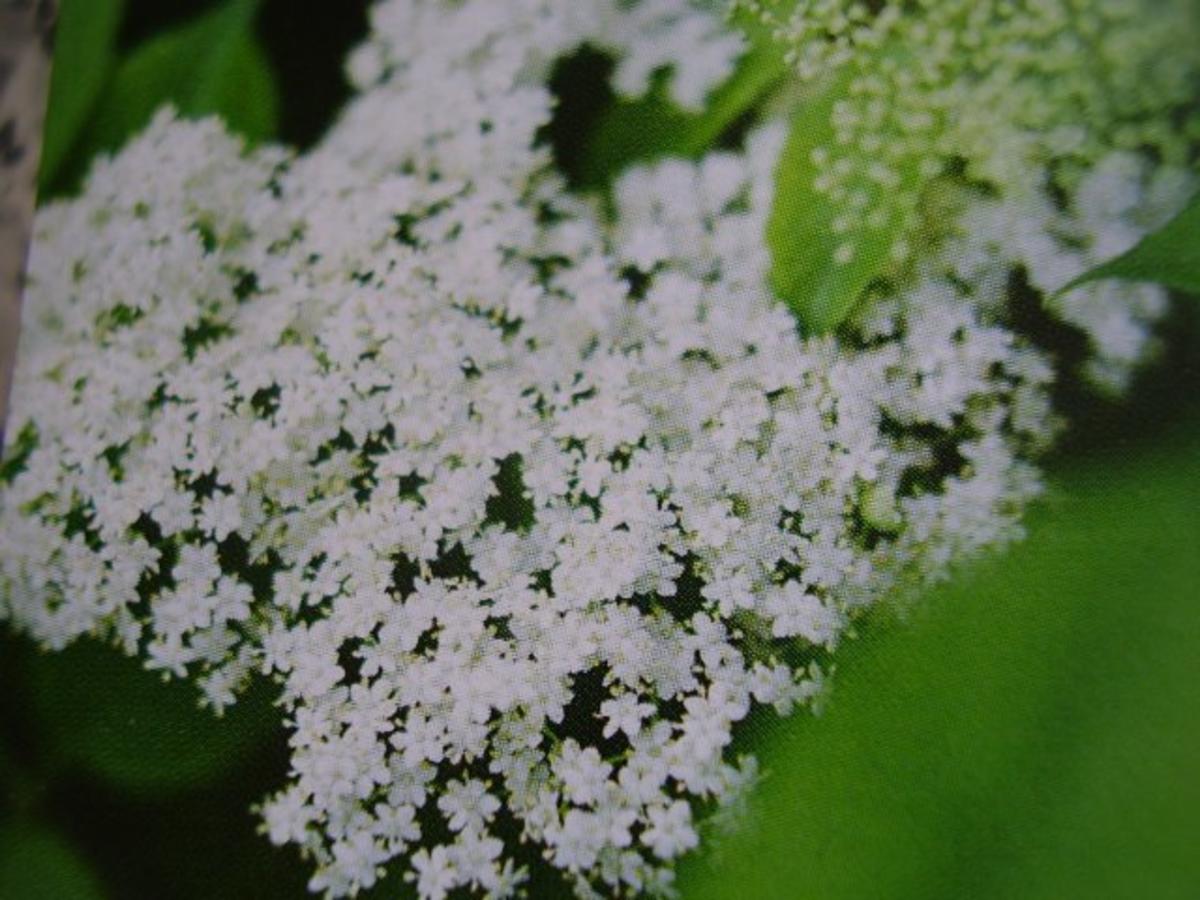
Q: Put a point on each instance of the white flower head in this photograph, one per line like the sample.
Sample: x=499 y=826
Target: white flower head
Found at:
x=385 y=423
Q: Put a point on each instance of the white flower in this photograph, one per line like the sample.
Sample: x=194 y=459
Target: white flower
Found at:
x=288 y=816
x=220 y=515
x=584 y=774
x=435 y=874
x=670 y=832
x=467 y=805
x=625 y=713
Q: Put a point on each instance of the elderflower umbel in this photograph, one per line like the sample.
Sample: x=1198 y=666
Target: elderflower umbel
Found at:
x=1054 y=106
x=389 y=424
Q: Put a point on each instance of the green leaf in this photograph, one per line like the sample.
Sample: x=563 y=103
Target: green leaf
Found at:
x=105 y=714
x=821 y=266
x=36 y=864
x=1169 y=256
x=1031 y=732
x=653 y=127
x=211 y=65
x=84 y=53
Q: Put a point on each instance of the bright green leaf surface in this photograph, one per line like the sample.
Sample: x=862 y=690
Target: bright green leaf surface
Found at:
x=1033 y=731
x=84 y=53
x=36 y=864
x=212 y=65
x=1169 y=256
x=653 y=127
x=109 y=716
x=817 y=268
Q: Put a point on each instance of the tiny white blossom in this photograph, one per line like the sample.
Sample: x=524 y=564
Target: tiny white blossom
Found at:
x=670 y=832
x=625 y=713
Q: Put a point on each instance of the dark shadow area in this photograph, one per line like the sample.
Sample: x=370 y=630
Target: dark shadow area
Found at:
x=152 y=792
x=306 y=40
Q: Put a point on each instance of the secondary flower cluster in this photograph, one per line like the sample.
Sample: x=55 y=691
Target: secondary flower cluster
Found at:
x=522 y=511
x=1012 y=95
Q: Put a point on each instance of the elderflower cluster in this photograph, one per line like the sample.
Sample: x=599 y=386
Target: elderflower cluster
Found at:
x=522 y=512
x=1120 y=199
x=1015 y=95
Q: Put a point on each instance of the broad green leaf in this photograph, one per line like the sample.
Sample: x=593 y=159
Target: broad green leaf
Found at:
x=107 y=715
x=1032 y=731
x=1169 y=256
x=37 y=864
x=820 y=264
x=84 y=54
x=653 y=127
x=211 y=65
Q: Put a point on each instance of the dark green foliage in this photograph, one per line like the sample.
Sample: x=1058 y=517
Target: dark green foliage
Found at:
x=37 y=864
x=85 y=53
x=654 y=127
x=113 y=719
x=213 y=64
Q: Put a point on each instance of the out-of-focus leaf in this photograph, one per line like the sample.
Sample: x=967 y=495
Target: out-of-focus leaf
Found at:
x=84 y=53
x=36 y=864
x=212 y=65
x=820 y=267
x=653 y=126
x=1032 y=732
x=1169 y=256
x=107 y=715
